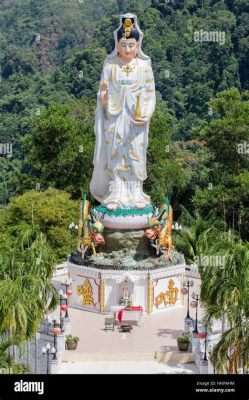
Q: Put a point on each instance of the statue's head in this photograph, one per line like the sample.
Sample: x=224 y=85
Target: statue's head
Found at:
x=128 y=40
x=130 y=34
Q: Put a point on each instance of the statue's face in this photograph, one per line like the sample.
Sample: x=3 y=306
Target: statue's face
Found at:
x=127 y=49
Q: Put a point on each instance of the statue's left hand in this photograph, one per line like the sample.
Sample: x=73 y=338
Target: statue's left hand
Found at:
x=140 y=121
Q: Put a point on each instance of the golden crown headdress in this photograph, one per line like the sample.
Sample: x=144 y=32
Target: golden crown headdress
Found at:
x=127 y=25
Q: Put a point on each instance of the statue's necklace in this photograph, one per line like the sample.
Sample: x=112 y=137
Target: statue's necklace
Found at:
x=128 y=68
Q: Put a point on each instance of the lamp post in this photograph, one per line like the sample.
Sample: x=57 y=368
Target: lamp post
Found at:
x=188 y=321
x=205 y=345
x=185 y=290
x=48 y=350
x=194 y=304
x=63 y=307
x=67 y=283
x=56 y=331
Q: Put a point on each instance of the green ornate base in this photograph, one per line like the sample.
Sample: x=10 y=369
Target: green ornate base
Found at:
x=125 y=212
x=125 y=218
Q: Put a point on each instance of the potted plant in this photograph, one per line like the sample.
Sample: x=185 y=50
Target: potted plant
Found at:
x=72 y=342
x=183 y=342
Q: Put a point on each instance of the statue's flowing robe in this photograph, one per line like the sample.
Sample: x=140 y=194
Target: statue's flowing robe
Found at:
x=120 y=146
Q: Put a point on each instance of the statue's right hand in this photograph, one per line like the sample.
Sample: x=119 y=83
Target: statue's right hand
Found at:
x=103 y=87
x=103 y=99
x=103 y=94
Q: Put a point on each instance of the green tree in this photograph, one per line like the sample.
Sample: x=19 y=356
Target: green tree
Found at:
x=60 y=147
x=230 y=300
x=226 y=136
x=26 y=269
x=6 y=360
x=165 y=172
x=49 y=212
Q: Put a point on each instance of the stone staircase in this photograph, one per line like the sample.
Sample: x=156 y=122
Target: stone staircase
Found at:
x=71 y=356
x=175 y=357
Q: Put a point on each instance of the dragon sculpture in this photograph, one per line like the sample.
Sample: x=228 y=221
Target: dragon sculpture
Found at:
x=91 y=230
x=160 y=228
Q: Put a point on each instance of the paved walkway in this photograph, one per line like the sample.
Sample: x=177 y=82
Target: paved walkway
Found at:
x=156 y=330
x=124 y=367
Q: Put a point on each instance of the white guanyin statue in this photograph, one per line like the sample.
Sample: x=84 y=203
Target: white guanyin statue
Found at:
x=126 y=102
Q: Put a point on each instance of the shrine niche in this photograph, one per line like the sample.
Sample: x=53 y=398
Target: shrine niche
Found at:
x=126 y=289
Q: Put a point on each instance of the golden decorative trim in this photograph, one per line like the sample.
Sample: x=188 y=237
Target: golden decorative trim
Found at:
x=80 y=226
x=102 y=295
x=127 y=69
x=149 y=295
x=118 y=140
x=124 y=166
x=115 y=155
x=141 y=175
x=128 y=25
x=182 y=295
x=135 y=86
x=117 y=107
x=134 y=156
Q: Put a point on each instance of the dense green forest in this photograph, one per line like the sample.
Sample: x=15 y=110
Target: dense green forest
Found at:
x=51 y=56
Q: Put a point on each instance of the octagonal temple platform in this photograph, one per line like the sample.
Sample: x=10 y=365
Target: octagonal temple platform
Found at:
x=127 y=273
